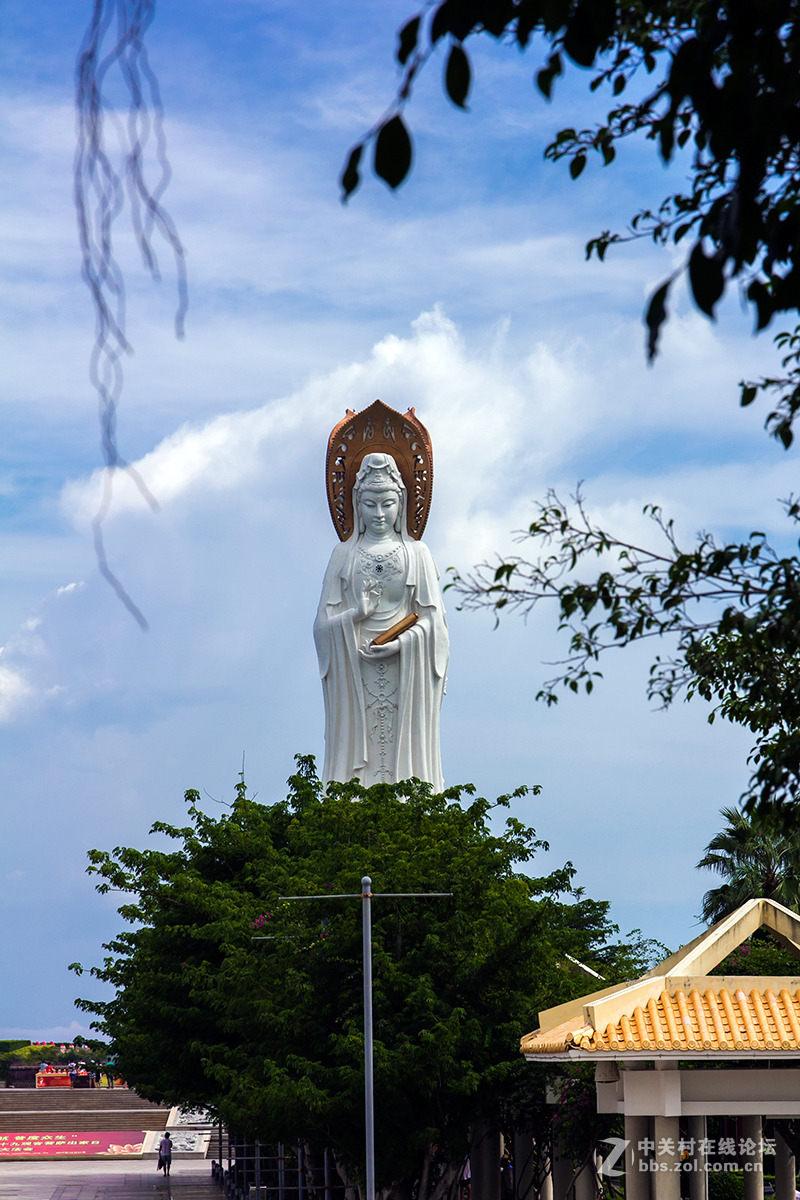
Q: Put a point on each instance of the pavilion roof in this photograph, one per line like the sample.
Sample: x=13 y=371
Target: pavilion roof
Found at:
x=677 y=1008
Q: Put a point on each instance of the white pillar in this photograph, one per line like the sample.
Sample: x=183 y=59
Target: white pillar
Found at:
x=586 y=1182
x=561 y=1175
x=546 y=1190
x=784 y=1170
x=698 y=1179
x=753 y=1163
x=666 y=1135
x=637 y=1160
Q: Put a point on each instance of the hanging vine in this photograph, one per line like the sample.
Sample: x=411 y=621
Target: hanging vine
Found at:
x=120 y=164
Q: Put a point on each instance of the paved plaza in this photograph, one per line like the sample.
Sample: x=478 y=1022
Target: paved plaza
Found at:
x=106 y=1181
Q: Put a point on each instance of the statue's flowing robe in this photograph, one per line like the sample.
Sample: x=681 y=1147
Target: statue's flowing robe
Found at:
x=423 y=658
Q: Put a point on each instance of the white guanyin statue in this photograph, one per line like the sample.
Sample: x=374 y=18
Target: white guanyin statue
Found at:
x=382 y=702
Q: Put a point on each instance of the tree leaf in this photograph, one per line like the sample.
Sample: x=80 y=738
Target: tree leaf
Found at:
x=759 y=295
x=655 y=317
x=589 y=28
x=706 y=278
x=748 y=395
x=577 y=165
x=545 y=77
x=684 y=70
x=350 y=178
x=497 y=16
x=440 y=25
x=393 y=153
x=457 y=76
x=666 y=137
x=407 y=40
x=544 y=81
x=580 y=44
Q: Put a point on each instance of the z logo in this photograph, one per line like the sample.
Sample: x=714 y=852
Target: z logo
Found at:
x=607 y=1167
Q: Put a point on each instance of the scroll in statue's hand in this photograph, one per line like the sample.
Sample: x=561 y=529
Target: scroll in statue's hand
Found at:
x=392 y=634
x=386 y=644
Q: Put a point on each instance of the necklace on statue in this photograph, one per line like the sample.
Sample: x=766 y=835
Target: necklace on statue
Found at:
x=381 y=567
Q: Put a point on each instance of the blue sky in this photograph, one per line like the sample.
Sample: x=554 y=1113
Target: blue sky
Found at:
x=465 y=294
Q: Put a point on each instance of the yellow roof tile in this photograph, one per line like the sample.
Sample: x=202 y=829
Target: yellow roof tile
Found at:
x=708 y=1018
x=678 y=1007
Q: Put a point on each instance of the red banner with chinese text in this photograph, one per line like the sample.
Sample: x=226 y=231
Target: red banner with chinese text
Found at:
x=125 y=1144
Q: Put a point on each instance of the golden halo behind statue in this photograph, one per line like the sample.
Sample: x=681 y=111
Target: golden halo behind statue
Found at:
x=379 y=430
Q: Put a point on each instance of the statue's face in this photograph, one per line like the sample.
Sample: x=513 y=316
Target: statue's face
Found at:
x=379 y=510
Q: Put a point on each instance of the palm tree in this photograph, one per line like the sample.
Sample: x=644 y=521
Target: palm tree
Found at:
x=755 y=860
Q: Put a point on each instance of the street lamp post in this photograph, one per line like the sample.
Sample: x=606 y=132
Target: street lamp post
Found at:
x=366 y=897
x=369 y=1086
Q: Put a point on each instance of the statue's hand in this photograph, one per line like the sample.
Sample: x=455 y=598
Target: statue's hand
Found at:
x=388 y=651
x=368 y=603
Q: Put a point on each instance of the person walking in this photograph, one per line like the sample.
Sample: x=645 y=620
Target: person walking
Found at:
x=165 y=1153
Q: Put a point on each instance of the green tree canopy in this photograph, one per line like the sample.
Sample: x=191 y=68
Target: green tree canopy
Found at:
x=753 y=860
x=269 y=1032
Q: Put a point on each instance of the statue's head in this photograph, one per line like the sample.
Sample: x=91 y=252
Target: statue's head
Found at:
x=379 y=475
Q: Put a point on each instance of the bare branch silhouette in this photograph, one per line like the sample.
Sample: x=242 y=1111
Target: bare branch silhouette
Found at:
x=116 y=155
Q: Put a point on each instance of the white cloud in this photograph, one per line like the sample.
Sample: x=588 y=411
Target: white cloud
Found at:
x=15 y=692
x=505 y=428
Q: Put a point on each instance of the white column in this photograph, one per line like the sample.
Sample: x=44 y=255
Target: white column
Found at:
x=666 y=1135
x=784 y=1170
x=698 y=1179
x=637 y=1160
x=546 y=1190
x=753 y=1163
x=638 y=1132
x=586 y=1182
x=562 y=1174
